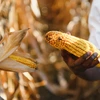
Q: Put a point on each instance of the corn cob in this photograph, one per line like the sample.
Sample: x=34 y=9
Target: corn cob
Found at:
x=23 y=60
x=72 y=44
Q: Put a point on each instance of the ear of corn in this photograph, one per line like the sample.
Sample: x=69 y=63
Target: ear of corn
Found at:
x=72 y=44
x=25 y=61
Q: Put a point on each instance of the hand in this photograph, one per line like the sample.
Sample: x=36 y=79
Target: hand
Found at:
x=78 y=65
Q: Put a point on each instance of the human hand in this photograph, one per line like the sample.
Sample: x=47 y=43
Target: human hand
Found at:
x=78 y=65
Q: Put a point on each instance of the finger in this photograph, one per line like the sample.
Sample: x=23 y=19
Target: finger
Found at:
x=82 y=59
x=95 y=62
x=64 y=53
x=90 y=60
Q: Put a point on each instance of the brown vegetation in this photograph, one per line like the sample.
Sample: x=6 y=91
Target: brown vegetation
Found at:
x=53 y=80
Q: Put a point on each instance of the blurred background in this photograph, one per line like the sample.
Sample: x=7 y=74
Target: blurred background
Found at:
x=53 y=80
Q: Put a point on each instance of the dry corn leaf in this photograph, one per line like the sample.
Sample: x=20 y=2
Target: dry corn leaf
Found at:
x=9 y=44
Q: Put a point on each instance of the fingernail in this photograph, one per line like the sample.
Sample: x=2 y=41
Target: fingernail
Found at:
x=94 y=55
x=87 y=54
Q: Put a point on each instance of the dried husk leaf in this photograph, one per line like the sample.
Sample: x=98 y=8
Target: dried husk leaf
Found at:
x=10 y=42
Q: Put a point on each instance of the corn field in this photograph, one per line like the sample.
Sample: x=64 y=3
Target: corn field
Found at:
x=52 y=80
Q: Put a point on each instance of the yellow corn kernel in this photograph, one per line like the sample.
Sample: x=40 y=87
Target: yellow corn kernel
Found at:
x=72 y=44
x=23 y=60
